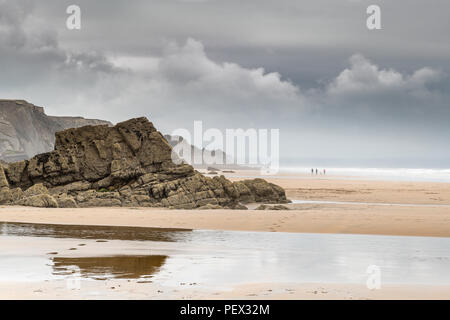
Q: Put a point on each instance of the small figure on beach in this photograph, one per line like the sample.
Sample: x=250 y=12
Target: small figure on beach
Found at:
x=312 y=171
x=324 y=171
x=317 y=172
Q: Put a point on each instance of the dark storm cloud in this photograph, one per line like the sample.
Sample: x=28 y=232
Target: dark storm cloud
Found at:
x=310 y=68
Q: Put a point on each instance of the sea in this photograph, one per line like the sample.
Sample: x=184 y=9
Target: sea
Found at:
x=389 y=174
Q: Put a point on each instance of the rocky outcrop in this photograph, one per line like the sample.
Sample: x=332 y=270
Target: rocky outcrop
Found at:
x=129 y=164
x=259 y=190
x=25 y=129
x=276 y=207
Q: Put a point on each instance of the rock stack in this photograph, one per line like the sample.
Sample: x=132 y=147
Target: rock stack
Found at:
x=128 y=164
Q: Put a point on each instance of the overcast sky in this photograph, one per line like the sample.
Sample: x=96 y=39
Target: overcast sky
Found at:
x=310 y=68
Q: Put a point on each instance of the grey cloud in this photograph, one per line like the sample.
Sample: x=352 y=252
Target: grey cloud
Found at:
x=92 y=61
x=387 y=89
x=273 y=64
x=35 y=65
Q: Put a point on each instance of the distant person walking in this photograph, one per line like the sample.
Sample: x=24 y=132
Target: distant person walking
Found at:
x=324 y=171
x=317 y=172
x=312 y=172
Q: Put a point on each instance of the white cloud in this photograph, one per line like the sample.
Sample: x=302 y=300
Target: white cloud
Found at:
x=187 y=72
x=365 y=77
x=184 y=79
x=189 y=66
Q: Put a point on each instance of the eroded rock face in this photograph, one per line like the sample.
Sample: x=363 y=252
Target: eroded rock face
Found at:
x=126 y=165
x=25 y=129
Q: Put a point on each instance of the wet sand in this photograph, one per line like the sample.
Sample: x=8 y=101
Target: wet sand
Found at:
x=430 y=220
x=124 y=289
x=60 y=262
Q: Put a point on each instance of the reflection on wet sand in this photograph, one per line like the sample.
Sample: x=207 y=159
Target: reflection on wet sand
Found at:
x=216 y=258
x=119 y=267
x=92 y=232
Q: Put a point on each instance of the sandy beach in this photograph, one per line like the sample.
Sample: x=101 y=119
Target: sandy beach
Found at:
x=356 y=219
x=197 y=149
x=371 y=207
x=418 y=209
x=356 y=189
x=153 y=269
x=122 y=289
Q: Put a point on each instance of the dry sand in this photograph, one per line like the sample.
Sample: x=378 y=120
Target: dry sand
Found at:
x=335 y=188
x=433 y=219
x=430 y=220
x=355 y=219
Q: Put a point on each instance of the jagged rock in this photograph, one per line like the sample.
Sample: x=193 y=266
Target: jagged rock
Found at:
x=210 y=207
x=126 y=165
x=16 y=194
x=41 y=200
x=15 y=171
x=35 y=196
x=276 y=207
x=245 y=194
x=259 y=190
x=35 y=190
x=98 y=202
x=3 y=181
x=93 y=198
x=10 y=196
x=239 y=206
x=65 y=201
x=279 y=207
x=72 y=187
x=5 y=195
